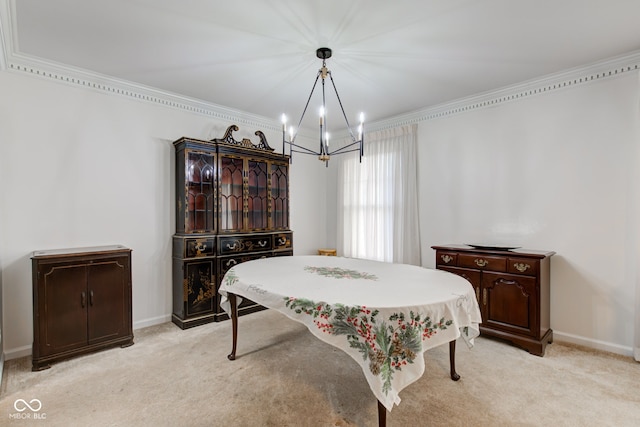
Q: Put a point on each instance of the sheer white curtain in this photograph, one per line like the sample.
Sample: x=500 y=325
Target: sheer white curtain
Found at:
x=377 y=199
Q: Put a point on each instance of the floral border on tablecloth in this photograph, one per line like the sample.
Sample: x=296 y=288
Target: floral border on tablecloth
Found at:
x=388 y=344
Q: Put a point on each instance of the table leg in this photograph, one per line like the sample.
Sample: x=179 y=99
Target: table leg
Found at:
x=382 y=415
x=234 y=325
x=452 y=360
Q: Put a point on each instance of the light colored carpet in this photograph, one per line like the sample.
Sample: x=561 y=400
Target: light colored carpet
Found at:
x=284 y=376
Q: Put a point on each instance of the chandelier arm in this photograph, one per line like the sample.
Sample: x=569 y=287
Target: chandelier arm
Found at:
x=306 y=105
x=343 y=149
x=306 y=150
x=342 y=108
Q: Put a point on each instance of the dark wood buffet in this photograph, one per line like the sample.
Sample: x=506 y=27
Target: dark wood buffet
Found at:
x=512 y=288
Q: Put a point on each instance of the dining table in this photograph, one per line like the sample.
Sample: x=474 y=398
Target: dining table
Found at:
x=384 y=315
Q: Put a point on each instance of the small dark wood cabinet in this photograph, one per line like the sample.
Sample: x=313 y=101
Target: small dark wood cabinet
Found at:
x=512 y=288
x=232 y=206
x=81 y=302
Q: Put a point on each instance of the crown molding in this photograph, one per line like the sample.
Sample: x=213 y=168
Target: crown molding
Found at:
x=4 y=28
x=11 y=60
x=610 y=68
x=102 y=83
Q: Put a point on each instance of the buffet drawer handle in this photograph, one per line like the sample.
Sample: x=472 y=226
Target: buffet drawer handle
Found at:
x=447 y=259
x=484 y=296
x=478 y=294
x=481 y=262
x=521 y=267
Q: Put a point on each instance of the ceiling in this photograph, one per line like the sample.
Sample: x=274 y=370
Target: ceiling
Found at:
x=389 y=57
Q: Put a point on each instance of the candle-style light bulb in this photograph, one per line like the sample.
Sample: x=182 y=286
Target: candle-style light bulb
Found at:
x=361 y=118
x=284 y=122
x=321 y=115
x=326 y=138
x=290 y=133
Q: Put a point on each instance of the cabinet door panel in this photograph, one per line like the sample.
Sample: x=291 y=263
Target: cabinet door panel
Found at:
x=509 y=302
x=62 y=312
x=231 y=193
x=199 y=292
x=279 y=196
x=257 y=195
x=200 y=191
x=473 y=276
x=108 y=298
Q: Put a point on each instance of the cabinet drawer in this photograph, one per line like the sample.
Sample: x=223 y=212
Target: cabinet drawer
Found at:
x=484 y=262
x=194 y=247
x=282 y=241
x=230 y=261
x=242 y=244
x=200 y=247
x=526 y=266
x=446 y=258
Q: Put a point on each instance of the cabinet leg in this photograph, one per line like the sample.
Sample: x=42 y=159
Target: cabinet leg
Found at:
x=40 y=367
x=452 y=361
x=382 y=415
x=234 y=326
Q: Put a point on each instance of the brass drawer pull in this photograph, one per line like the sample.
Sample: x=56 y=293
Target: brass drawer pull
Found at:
x=481 y=262
x=282 y=241
x=446 y=258
x=521 y=267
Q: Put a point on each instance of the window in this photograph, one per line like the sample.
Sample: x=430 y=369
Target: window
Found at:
x=377 y=200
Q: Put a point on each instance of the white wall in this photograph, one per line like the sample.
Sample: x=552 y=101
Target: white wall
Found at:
x=553 y=171
x=80 y=167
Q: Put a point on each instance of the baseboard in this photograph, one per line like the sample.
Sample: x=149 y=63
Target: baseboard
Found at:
x=636 y=353
x=151 y=322
x=16 y=353
x=1 y=372
x=594 y=344
x=24 y=351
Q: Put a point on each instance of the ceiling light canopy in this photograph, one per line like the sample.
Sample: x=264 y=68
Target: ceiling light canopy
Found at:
x=324 y=154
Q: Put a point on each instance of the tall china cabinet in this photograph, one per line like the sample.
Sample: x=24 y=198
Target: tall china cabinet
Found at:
x=232 y=206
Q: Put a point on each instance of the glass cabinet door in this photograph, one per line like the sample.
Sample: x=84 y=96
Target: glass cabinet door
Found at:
x=279 y=196
x=231 y=188
x=200 y=192
x=257 y=195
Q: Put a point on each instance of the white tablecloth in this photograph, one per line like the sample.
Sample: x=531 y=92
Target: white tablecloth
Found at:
x=385 y=316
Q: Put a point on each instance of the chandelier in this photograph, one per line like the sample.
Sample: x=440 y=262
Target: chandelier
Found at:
x=324 y=153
